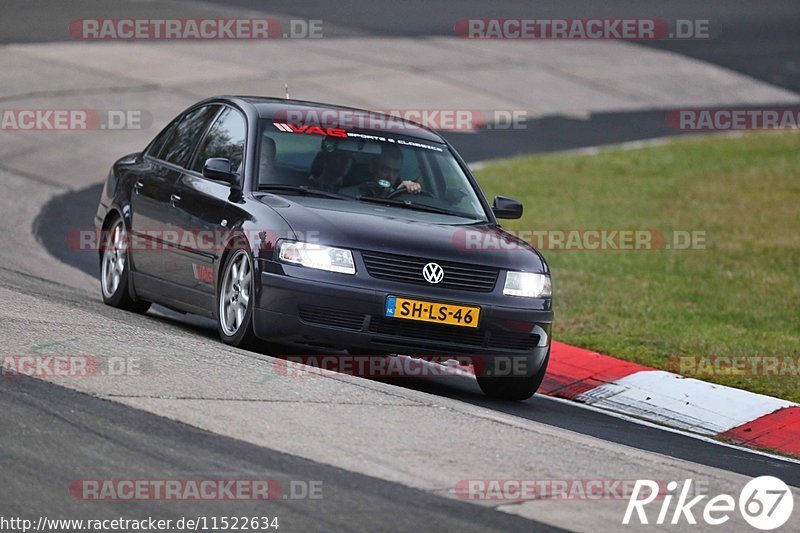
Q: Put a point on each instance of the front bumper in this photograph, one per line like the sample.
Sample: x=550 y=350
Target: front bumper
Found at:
x=300 y=306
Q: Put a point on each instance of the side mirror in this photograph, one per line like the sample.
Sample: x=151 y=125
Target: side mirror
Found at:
x=219 y=169
x=504 y=207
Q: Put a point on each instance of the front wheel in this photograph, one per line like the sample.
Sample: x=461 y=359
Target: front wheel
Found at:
x=236 y=299
x=513 y=388
x=115 y=269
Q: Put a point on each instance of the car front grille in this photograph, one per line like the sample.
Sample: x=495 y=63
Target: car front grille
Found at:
x=336 y=318
x=503 y=340
x=436 y=333
x=458 y=276
x=513 y=341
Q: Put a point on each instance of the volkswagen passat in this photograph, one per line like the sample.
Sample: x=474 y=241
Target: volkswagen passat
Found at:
x=299 y=223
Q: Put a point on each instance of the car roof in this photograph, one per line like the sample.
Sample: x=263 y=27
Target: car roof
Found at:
x=348 y=118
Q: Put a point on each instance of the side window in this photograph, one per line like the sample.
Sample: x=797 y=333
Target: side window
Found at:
x=183 y=137
x=225 y=139
x=156 y=144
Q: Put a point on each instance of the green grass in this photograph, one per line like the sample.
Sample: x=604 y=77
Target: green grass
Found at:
x=738 y=296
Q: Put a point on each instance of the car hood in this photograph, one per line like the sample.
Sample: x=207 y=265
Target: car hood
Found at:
x=365 y=226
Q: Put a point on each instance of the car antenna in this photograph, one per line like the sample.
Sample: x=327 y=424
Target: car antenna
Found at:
x=286 y=88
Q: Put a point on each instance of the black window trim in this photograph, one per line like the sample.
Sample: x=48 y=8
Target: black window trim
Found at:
x=222 y=106
x=158 y=159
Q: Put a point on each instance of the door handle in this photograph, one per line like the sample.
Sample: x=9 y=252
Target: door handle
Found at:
x=138 y=186
x=174 y=199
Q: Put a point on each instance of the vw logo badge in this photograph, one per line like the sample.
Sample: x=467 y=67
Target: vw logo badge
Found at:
x=432 y=273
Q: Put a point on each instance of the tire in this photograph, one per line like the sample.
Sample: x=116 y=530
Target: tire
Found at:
x=514 y=388
x=115 y=270
x=235 y=300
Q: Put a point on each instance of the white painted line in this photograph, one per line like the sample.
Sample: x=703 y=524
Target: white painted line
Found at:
x=680 y=402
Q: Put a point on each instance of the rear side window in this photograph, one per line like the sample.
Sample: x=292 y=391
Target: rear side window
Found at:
x=182 y=138
x=225 y=139
x=154 y=148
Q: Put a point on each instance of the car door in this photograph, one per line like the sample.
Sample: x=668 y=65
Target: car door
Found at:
x=203 y=208
x=153 y=189
x=150 y=195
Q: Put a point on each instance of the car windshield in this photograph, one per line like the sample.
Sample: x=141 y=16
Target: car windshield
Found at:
x=384 y=168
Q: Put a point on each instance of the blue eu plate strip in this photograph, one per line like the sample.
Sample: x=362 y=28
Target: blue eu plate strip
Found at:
x=391 y=303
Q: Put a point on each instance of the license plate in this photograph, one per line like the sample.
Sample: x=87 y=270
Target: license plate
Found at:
x=456 y=315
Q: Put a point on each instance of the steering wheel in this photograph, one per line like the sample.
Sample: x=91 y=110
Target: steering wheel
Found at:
x=402 y=190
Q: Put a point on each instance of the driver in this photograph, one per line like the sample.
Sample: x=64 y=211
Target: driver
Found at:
x=384 y=176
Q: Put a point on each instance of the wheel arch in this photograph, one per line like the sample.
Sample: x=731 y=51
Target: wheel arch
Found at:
x=112 y=213
x=236 y=240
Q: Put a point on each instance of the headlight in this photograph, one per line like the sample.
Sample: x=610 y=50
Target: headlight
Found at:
x=528 y=284
x=317 y=256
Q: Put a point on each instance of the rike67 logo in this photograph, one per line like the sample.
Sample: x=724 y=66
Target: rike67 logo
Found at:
x=765 y=502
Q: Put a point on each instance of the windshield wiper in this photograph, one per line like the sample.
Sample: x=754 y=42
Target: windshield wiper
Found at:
x=302 y=190
x=409 y=205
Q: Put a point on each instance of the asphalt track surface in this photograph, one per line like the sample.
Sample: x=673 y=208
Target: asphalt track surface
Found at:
x=145 y=444
x=759 y=39
x=52 y=435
